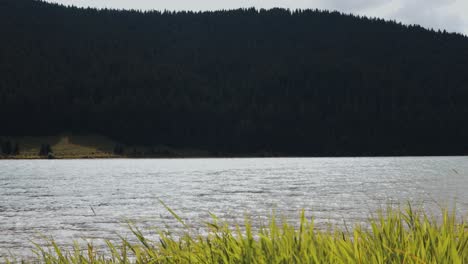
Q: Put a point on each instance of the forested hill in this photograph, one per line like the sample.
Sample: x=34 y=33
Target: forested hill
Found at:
x=245 y=81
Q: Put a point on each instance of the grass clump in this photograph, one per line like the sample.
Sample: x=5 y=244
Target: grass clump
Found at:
x=394 y=236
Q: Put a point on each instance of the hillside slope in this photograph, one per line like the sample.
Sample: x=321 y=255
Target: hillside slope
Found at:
x=307 y=83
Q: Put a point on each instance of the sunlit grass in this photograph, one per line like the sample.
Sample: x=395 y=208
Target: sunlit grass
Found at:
x=65 y=146
x=393 y=236
x=69 y=146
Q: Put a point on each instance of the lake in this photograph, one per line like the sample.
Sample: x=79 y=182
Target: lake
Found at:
x=93 y=199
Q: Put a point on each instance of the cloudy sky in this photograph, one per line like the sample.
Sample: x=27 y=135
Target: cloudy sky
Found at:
x=451 y=15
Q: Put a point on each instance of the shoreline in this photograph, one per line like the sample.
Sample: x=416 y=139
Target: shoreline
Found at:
x=220 y=157
x=69 y=146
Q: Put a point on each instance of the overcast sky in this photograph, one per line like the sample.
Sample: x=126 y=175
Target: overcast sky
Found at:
x=451 y=15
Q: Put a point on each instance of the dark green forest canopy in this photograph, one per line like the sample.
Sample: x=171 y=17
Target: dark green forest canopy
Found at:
x=245 y=81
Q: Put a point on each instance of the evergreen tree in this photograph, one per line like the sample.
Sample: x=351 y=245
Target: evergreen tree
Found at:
x=16 y=149
x=118 y=149
x=45 y=150
x=42 y=150
x=7 y=147
x=48 y=149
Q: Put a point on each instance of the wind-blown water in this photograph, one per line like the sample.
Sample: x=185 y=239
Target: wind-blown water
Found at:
x=93 y=199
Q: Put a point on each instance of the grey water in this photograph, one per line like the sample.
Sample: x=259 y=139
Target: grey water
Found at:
x=92 y=200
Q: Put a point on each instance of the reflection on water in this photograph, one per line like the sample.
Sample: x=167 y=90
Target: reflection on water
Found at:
x=74 y=199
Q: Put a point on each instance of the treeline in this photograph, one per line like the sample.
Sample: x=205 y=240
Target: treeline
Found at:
x=303 y=82
x=9 y=148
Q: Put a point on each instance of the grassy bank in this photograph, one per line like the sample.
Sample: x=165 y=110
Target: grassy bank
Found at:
x=68 y=146
x=62 y=146
x=395 y=236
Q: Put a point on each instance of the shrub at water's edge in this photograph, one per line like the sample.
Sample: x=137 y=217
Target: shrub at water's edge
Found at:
x=395 y=236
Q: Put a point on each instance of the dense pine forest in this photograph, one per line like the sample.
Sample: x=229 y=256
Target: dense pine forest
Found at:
x=238 y=82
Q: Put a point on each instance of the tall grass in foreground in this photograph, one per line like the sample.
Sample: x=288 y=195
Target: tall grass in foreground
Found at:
x=394 y=236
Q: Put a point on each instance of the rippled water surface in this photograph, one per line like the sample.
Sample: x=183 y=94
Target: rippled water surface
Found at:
x=93 y=199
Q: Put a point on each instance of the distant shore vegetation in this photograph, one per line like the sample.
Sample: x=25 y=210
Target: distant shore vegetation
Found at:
x=68 y=146
x=393 y=236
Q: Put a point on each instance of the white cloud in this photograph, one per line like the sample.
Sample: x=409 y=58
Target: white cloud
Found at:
x=451 y=15
x=351 y=6
x=430 y=13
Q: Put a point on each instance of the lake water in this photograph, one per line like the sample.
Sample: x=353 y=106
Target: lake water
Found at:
x=93 y=199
